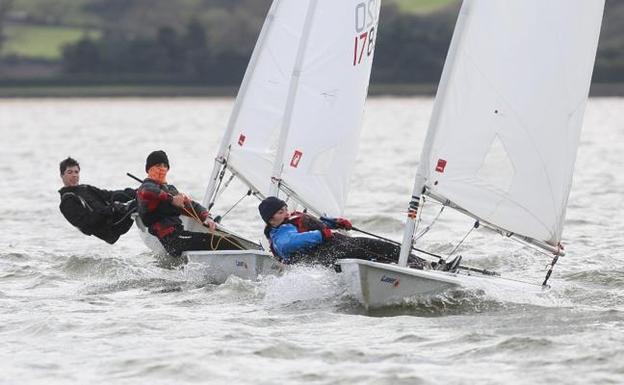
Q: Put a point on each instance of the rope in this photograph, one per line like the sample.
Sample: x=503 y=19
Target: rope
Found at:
x=216 y=192
x=440 y=258
x=235 y=204
x=475 y=226
x=225 y=186
x=426 y=229
x=193 y=214
x=397 y=243
x=552 y=265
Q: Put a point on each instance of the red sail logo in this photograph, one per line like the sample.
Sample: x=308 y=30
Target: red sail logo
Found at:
x=294 y=162
x=241 y=140
x=441 y=165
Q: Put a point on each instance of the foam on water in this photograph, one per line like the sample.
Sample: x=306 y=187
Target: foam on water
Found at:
x=302 y=284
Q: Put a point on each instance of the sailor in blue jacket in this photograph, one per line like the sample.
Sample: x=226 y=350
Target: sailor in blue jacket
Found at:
x=299 y=237
x=289 y=233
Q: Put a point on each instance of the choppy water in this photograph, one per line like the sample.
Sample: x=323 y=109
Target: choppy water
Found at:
x=76 y=310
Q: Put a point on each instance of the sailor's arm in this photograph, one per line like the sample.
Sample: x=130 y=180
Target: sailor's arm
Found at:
x=106 y=195
x=287 y=240
x=203 y=214
x=337 y=223
x=190 y=208
x=150 y=195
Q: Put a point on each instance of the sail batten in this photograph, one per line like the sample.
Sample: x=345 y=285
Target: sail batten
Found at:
x=503 y=137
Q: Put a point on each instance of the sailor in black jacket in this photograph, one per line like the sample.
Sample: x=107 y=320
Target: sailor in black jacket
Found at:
x=94 y=211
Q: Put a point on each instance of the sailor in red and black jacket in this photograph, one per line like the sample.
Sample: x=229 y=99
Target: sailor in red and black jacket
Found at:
x=300 y=238
x=160 y=206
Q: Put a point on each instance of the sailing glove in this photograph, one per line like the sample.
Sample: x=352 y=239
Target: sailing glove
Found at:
x=337 y=223
x=118 y=208
x=327 y=234
x=343 y=223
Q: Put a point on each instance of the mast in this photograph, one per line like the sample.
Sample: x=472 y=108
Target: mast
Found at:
x=420 y=180
x=294 y=85
x=223 y=148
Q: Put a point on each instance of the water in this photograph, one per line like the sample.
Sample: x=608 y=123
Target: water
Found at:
x=76 y=310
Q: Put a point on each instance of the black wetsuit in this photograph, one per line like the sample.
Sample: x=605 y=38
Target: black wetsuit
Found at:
x=162 y=219
x=92 y=211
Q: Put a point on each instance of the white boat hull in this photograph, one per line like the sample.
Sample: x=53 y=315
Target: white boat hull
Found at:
x=217 y=266
x=148 y=239
x=377 y=284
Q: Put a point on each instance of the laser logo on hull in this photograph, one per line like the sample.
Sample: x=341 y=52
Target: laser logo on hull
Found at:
x=393 y=281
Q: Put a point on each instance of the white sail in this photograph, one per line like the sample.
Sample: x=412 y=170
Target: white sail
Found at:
x=255 y=123
x=323 y=120
x=504 y=134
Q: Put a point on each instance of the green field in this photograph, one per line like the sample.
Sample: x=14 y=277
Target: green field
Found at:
x=422 y=6
x=56 y=21
x=40 y=42
x=60 y=12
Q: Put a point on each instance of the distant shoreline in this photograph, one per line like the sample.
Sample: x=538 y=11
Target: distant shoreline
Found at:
x=160 y=91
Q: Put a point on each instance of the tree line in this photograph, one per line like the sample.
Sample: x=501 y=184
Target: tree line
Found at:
x=6 y=7
x=169 y=55
x=410 y=48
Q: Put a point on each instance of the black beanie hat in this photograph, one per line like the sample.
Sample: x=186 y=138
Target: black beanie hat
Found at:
x=269 y=207
x=156 y=157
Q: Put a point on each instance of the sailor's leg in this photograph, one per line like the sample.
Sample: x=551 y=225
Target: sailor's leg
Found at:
x=345 y=247
x=380 y=251
x=181 y=241
x=375 y=249
x=124 y=226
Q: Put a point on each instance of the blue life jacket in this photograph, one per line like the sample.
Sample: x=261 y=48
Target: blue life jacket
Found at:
x=286 y=239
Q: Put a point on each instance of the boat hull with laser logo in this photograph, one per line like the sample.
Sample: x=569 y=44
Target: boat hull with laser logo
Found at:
x=377 y=284
x=217 y=266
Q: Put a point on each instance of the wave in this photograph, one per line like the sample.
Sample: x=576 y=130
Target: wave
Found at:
x=608 y=279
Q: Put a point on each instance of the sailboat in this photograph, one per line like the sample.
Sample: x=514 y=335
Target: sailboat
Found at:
x=502 y=140
x=295 y=126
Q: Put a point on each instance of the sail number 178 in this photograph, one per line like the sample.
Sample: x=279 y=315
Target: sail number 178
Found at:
x=366 y=14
